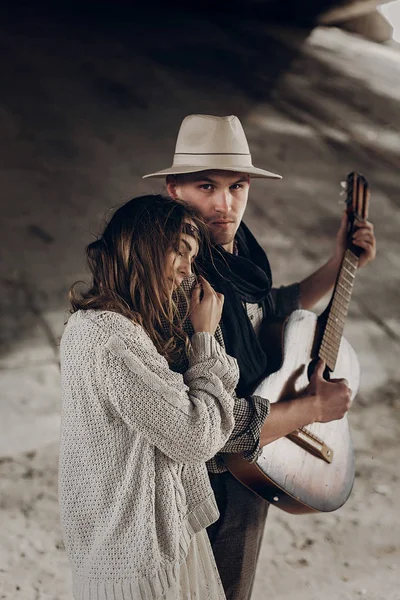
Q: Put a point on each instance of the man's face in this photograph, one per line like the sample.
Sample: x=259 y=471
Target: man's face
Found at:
x=220 y=197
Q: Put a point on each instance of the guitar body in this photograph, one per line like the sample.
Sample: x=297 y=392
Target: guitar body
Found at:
x=287 y=474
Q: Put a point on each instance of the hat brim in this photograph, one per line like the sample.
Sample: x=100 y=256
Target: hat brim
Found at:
x=181 y=170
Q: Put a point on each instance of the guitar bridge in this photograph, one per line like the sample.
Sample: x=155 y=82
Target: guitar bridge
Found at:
x=306 y=439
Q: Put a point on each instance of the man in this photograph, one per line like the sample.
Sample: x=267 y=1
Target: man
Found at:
x=212 y=171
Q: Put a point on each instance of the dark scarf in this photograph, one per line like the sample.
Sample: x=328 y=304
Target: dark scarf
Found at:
x=245 y=277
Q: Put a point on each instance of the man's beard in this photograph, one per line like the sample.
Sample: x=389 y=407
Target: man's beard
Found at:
x=221 y=238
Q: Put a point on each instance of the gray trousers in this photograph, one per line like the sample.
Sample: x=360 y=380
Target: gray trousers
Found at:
x=236 y=536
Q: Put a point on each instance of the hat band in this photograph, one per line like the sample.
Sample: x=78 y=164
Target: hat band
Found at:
x=219 y=159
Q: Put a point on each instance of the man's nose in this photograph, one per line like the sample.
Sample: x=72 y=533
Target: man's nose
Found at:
x=223 y=201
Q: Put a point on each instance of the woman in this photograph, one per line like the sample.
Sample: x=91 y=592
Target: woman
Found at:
x=135 y=497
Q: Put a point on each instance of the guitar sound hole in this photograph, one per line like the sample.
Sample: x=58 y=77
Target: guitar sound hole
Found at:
x=311 y=369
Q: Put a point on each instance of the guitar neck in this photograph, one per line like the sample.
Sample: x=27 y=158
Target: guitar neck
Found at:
x=338 y=309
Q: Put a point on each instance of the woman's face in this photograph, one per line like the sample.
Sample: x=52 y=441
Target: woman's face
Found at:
x=179 y=262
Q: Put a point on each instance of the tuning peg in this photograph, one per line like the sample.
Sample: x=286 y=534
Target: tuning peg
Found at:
x=343 y=184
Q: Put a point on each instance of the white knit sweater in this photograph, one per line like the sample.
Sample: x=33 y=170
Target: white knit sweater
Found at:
x=135 y=436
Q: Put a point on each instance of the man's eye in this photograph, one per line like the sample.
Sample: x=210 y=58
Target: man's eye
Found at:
x=236 y=186
x=206 y=186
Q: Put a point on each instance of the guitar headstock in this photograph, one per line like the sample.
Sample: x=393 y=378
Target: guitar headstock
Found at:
x=357 y=197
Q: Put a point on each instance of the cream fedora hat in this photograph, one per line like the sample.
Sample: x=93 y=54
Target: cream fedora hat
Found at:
x=206 y=142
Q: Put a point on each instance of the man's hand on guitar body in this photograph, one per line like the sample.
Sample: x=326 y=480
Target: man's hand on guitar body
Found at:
x=332 y=398
x=321 y=402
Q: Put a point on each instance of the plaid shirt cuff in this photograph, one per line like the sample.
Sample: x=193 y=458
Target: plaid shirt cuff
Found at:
x=250 y=415
x=261 y=411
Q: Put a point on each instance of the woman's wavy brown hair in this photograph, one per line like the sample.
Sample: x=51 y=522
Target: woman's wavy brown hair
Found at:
x=129 y=277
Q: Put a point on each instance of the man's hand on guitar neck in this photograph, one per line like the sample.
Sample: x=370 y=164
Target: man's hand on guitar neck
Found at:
x=363 y=237
x=323 y=401
x=319 y=283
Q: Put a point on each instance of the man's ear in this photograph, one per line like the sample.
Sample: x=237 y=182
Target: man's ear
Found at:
x=171 y=185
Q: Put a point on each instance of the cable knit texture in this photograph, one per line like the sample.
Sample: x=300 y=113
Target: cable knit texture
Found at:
x=135 y=436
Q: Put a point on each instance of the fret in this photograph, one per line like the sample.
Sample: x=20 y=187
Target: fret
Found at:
x=340 y=305
x=344 y=279
x=327 y=357
x=336 y=326
x=350 y=269
x=338 y=315
x=331 y=335
x=336 y=323
x=330 y=362
x=341 y=299
x=334 y=332
x=330 y=347
x=340 y=283
x=351 y=273
x=339 y=311
x=335 y=329
x=351 y=257
x=336 y=319
x=348 y=291
x=344 y=276
x=350 y=262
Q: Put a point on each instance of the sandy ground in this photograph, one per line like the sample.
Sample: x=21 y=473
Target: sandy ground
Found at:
x=85 y=112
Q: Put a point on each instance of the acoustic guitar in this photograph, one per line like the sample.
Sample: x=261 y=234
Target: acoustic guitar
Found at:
x=312 y=468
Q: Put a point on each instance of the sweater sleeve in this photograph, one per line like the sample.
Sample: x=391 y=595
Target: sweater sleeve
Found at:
x=189 y=419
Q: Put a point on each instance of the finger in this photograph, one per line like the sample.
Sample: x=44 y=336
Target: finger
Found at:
x=340 y=380
x=361 y=224
x=207 y=289
x=364 y=243
x=369 y=249
x=367 y=244
x=363 y=234
x=197 y=288
x=220 y=297
x=320 y=368
x=206 y=284
x=195 y=297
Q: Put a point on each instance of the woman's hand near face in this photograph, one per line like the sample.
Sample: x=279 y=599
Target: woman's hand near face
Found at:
x=205 y=313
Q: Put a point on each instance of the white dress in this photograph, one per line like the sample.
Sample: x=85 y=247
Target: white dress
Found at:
x=198 y=576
